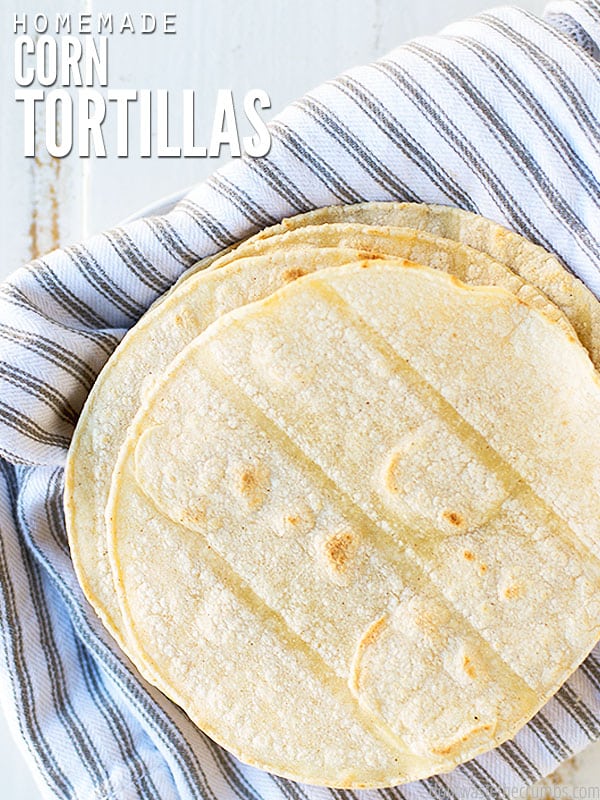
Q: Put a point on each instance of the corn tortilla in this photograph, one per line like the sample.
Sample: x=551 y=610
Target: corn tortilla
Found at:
x=343 y=509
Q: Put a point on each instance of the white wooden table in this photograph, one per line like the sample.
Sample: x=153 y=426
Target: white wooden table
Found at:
x=282 y=46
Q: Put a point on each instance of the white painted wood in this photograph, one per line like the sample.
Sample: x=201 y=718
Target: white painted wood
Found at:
x=42 y=199
x=283 y=46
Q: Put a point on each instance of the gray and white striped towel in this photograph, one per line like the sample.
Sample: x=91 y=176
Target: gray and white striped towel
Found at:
x=500 y=115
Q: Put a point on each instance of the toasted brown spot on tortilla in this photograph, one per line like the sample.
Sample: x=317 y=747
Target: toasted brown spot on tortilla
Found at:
x=248 y=481
x=374 y=632
x=300 y=519
x=196 y=512
x=453 y=517
x=468 y=667
x=512 y=591
x=254 y=485
x=389 y=474
x=468 y=555
x=453 y=745
x=293 y=274
x=339 y=549
x=185 y=319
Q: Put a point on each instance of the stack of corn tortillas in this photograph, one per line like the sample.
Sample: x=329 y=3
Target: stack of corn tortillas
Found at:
x=337 y=493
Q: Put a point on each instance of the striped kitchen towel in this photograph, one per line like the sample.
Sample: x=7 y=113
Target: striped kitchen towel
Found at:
x=500 y=115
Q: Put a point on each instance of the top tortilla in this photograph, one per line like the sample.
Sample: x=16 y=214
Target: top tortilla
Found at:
x=356 y=524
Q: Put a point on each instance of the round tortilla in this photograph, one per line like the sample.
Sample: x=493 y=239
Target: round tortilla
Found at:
x=348 y=525
x=177 y=318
